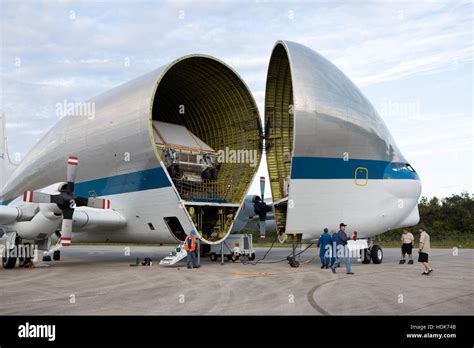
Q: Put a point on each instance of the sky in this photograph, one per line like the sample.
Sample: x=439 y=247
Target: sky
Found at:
x=412 y=59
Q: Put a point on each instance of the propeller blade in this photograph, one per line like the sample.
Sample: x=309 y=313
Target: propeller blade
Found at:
x=262 y=188
x=66 y=227
x=98 y=203
x=58 y=199
x=72 y=163
x=36 y=197
x=66 y=232
x=263 y=231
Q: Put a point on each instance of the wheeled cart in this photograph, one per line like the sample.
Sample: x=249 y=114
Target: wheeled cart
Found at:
x=235 y=246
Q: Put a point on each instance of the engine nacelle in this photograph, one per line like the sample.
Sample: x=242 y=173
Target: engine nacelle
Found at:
x=247 y=211
x=95 y=220
x=9 y=215
x=248 y=208
x=40 y=227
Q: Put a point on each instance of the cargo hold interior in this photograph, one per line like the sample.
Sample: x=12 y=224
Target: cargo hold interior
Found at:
x=202 y=113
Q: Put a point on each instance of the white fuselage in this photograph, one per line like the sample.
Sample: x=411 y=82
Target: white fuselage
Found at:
x=379 y=206
x=143 y=213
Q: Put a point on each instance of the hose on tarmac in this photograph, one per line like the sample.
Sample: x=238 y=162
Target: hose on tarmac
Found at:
x=261 y=260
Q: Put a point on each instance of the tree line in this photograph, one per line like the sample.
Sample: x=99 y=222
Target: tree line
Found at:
x=450 y=218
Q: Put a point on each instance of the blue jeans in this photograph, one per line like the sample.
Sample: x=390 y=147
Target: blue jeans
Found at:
x=347 y=256
x=335 y=259
x=325 y=260
x=192 y=260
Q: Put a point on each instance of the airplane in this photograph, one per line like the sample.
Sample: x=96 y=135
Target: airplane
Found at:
x=330 y=156
x=330 y=159
x=172 y=151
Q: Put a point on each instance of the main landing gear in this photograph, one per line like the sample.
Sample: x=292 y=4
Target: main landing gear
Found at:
x=373 y=252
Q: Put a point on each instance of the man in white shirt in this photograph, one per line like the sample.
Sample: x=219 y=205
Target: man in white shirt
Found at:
x=408 y=241
x=424 y=250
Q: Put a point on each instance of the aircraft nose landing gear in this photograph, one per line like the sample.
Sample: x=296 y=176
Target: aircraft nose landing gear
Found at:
x=295 y=240
x=293 y=262
x=376 y=254
x=365 y=256
x=373 y=252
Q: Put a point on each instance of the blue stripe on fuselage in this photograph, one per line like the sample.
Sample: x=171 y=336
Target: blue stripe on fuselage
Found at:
x=338 y=168
x=131 y=182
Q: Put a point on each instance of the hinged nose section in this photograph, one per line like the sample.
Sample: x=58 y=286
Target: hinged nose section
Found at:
x=322 y=133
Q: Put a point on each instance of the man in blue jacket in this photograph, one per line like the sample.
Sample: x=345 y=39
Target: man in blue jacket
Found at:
x=343 y=248
x=324 y=244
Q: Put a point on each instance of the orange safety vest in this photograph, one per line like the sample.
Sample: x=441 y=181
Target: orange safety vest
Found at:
x=193 y=243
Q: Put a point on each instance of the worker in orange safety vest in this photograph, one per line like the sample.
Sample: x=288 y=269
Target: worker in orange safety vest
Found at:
x=190 y=247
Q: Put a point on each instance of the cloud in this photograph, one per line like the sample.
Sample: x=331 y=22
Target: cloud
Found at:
x=51 y=51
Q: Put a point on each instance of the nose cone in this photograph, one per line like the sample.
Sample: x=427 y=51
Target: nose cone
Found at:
x=412 y=219
x=331 y=116
x=405 y=195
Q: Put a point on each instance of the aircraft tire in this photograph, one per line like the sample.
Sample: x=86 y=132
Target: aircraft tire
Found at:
x=376 y=254
x=8 y=262
x=365 y=256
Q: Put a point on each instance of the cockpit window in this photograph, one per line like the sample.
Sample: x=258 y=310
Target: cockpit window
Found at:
x=396 y=166
x=410 y=168
x=402 y=167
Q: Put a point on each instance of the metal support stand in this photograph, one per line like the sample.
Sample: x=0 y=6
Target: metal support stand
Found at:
x=292 y=259
x=198 y=251
x=222 y=253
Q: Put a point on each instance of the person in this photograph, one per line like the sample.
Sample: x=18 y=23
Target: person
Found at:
x=424 y=250
x=324 y=244
x=343 y=248
x=334 y=260
x=407 y=245
x=190 y=247
x=354 y=235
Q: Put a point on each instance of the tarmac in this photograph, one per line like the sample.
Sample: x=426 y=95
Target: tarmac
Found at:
x=98 y=280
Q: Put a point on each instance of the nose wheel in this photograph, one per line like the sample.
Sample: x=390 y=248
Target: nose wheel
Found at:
x=365 y=256
x=376 y=254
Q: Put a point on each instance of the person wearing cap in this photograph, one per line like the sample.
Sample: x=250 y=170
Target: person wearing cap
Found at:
x=324 y=244
x=424 y=250
x=190 y=247
x=343 y=248
x=407 y=245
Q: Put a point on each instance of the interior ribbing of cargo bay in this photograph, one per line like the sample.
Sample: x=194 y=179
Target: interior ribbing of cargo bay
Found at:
x=278 y=110
x=219 y=109
x=278 y=102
